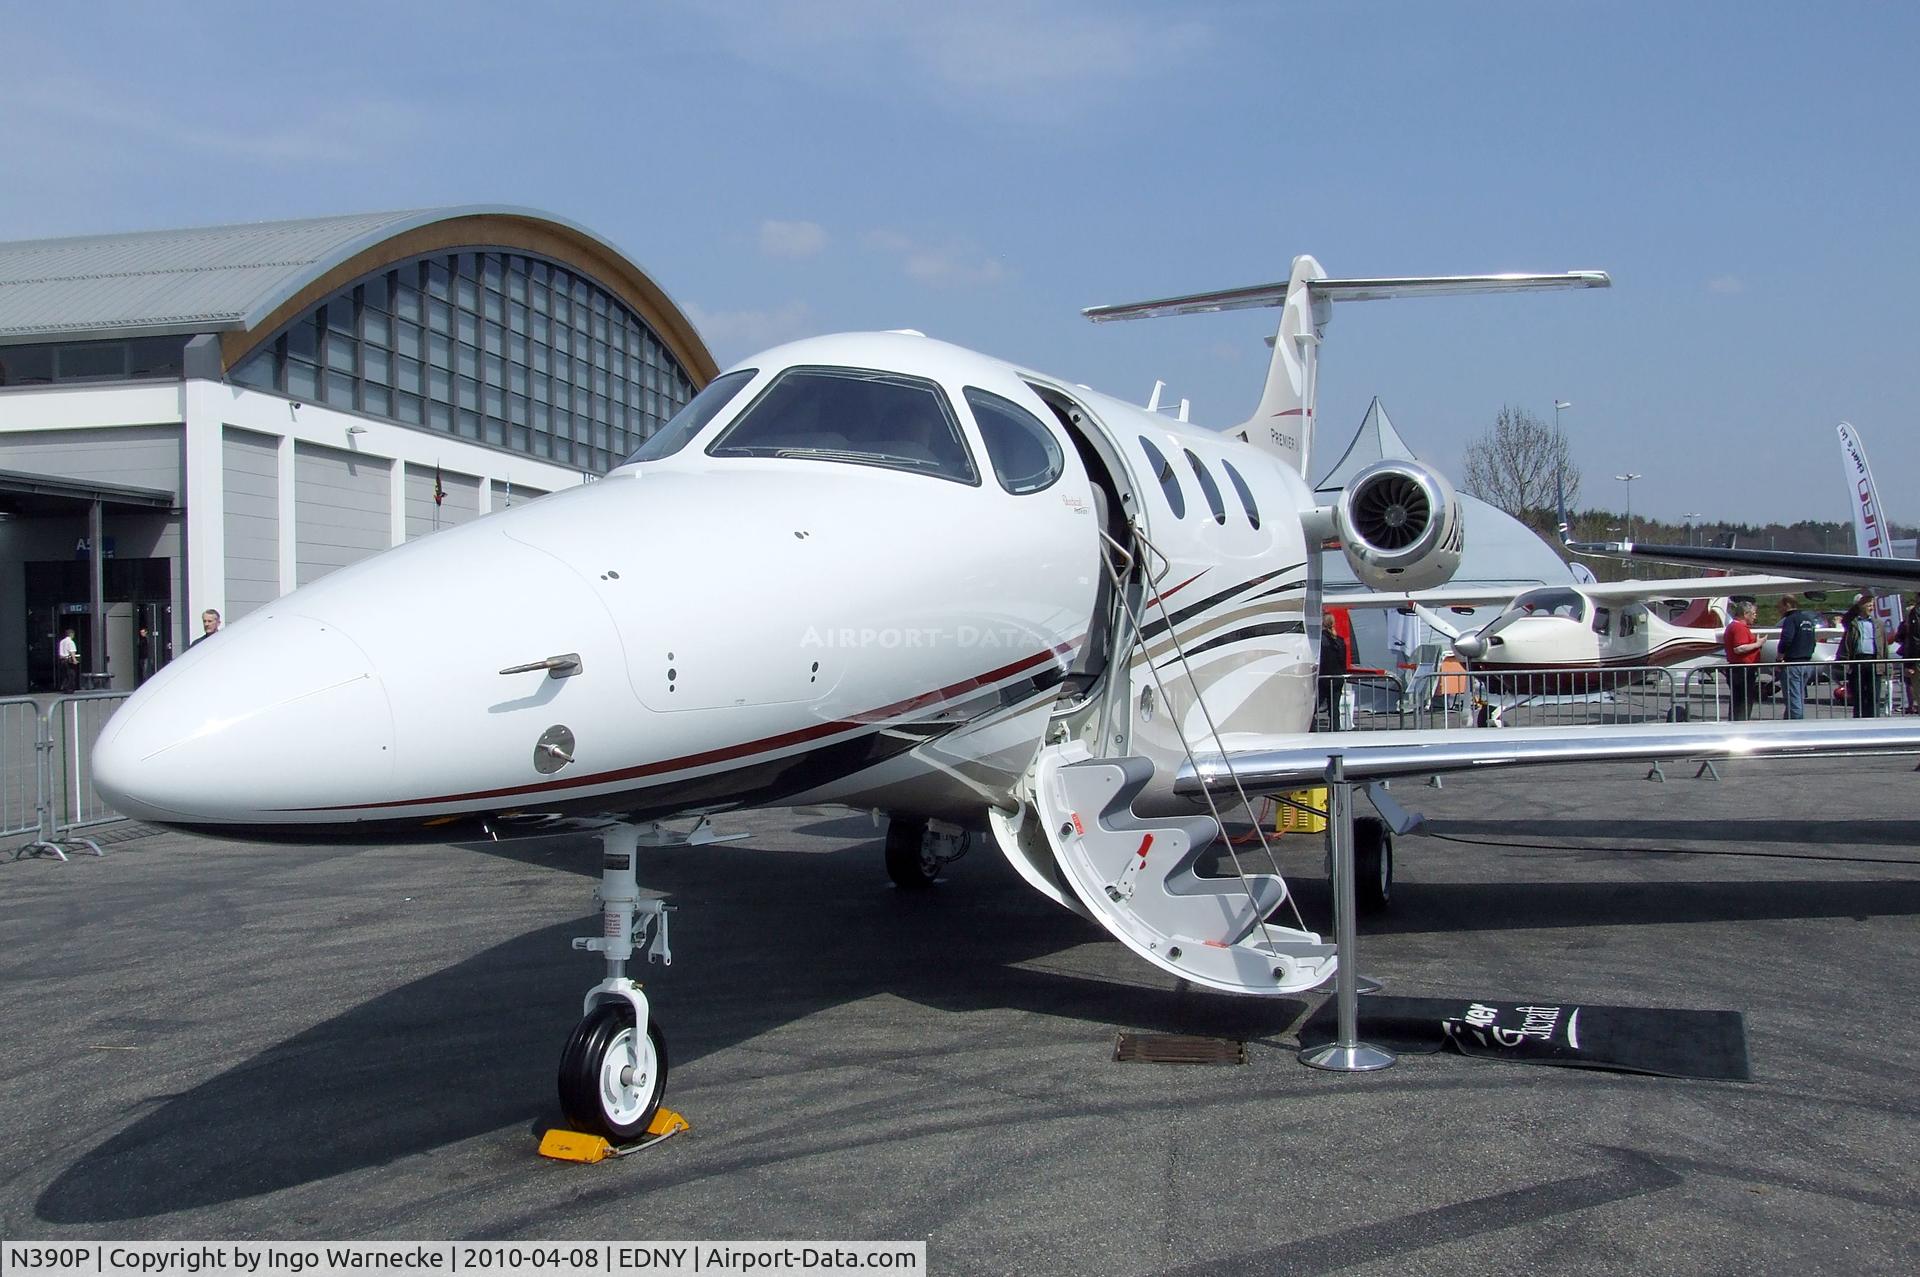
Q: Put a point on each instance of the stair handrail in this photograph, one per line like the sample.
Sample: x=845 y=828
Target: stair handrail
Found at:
x=1213 y=730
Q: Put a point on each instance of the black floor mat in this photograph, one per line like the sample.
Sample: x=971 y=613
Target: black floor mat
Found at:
x=1695 y=1044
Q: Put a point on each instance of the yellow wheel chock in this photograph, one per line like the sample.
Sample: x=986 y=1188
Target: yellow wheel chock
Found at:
x=578 y=1146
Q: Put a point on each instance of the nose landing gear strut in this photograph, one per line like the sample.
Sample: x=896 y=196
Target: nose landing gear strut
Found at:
x=613 y=1071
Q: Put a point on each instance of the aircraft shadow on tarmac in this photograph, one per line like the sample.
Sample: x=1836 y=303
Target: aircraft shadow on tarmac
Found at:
x=763 y=939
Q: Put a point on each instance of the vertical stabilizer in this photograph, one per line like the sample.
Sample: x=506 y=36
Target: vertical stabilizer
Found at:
x=1283 y=423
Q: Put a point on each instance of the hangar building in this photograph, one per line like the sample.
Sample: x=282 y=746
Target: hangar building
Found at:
x=229 y=412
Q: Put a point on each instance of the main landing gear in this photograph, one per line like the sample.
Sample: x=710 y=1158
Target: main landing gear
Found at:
x=918 y=849
x=614 y=1068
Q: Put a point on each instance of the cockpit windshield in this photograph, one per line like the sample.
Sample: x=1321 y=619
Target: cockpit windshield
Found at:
x=1570 y=604
x=853 y=415
x=693 y=418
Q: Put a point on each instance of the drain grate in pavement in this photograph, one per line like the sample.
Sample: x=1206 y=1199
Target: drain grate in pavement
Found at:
x=1178 y=1048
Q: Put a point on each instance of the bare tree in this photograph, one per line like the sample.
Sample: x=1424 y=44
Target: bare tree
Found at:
x=1515 y=464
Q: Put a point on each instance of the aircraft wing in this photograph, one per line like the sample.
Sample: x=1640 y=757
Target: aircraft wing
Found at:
x=1488 y=596
x=1851 y=569
x=1693 y=587
x=1265 y=764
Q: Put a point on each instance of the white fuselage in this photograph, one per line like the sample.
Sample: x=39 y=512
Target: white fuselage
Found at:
x=742 y=629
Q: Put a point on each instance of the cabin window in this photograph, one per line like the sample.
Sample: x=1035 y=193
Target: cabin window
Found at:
x=1246 y=493
x=1629 y=622
x=693 y=418
x=854 y=416
x=1023 y=452
x=1169 y=481
x=1209 y=489
x=1602 y=620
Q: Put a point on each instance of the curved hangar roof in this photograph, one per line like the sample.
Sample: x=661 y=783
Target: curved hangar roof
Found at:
x=245 y=281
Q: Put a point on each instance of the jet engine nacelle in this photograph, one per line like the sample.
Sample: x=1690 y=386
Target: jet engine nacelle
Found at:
x=1401 y=527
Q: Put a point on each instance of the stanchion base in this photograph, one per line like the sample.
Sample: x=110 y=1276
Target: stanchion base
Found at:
x=1358 y=1058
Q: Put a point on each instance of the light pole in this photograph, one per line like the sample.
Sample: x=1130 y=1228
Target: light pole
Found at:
x=1628 y=480
x=1559 y=445
x=1689 y=517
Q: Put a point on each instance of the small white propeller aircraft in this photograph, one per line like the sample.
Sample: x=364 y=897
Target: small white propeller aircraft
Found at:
x=871 y=569
x=1572 y=638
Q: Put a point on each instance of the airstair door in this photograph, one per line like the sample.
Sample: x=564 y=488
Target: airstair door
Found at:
x=1138 y=877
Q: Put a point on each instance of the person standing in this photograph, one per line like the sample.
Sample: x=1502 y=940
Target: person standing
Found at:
x=1333 y=669
x=1743 y=659
x=209 y=625
x=1908 y=636
x=67 y=662
x=1799 y=635
x=1859 y=647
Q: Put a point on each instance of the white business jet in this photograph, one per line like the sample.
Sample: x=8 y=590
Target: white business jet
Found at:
x=870 y=569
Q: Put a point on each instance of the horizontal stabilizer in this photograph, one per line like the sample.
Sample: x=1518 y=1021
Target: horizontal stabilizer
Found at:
x=1349 y=290
x=1262 y=764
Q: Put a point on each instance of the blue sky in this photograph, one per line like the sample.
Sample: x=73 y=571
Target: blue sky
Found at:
x=981 y=171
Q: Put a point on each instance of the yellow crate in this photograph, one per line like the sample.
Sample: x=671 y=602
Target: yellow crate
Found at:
x=1291 y=820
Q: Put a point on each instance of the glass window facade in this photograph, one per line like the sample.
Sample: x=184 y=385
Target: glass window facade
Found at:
x=500 y=348
x=43 y=364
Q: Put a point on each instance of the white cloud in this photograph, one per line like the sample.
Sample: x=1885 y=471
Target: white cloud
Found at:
x=791 y=239
x=731 y=334
x=1014 y=58
x=1726 y=284
x=949 y=264
x=74 y=107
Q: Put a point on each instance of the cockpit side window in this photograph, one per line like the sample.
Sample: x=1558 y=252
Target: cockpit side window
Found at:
x=856 y=416
x=693 y=418
x=1169 y=481
x=1024 y=455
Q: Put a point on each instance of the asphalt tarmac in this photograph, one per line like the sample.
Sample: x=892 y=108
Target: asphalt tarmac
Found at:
x=221 y=1040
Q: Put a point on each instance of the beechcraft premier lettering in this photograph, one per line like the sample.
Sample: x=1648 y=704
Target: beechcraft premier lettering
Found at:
x=870 y=569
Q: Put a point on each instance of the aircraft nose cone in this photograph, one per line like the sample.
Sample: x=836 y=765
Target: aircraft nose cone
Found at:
x=279 y=714
x=1469 y=647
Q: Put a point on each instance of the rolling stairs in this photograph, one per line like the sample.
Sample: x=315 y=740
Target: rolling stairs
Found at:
x=1136 y=876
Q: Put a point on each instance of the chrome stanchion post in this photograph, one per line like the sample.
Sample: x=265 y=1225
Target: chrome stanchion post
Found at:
x=1346 y=1053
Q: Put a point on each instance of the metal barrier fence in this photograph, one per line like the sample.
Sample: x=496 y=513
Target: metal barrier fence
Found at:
x=1820 y=689
x=54 y=746
x=1485 y=697
x=20 y=758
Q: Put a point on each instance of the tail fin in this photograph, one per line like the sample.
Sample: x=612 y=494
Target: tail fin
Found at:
x=1283 y=423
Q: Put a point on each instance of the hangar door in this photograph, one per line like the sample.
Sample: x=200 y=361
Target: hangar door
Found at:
x=341 y=505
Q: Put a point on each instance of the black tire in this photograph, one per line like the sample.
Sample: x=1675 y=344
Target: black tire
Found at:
x=1372 y=864
x=584 y=1068
x=911 y=865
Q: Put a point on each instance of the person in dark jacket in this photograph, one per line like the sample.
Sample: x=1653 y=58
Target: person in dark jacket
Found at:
x=1799 y=635
x=1333 y=669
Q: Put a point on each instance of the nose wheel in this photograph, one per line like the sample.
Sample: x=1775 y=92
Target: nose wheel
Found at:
x=613 y=1071
x=612 y=1077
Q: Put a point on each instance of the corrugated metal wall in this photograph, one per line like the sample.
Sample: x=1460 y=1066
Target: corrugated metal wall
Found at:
x=462 y=504
x=133 y=456
x=340 y=509
x=250 y=478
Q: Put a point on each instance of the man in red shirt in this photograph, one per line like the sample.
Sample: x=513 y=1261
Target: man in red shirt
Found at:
x=1743 y=659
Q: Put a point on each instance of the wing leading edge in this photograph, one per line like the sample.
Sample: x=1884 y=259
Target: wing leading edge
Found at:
x=1272 y=764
